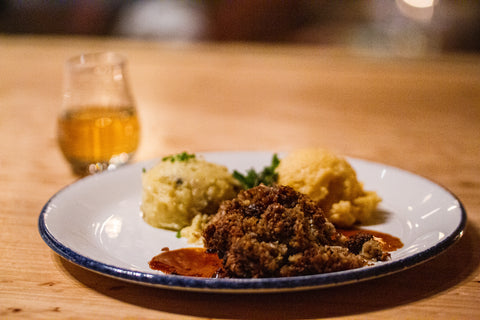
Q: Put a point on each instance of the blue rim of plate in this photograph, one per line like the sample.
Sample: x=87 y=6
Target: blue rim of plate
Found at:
x=231 y=285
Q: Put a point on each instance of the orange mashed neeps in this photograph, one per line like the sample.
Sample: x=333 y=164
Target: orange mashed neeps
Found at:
x=331 y=181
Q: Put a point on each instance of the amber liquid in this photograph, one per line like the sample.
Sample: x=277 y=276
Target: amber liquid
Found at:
x=94 y=138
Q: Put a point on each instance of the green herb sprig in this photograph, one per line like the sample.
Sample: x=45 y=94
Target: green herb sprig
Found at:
x=184 y=156
x=267 y=176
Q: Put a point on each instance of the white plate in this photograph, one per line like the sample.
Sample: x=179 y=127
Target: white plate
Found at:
x=96 y=223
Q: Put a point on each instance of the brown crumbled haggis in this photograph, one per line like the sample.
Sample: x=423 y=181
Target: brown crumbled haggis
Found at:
x=276 y=232
x=364 y=244
x=355 y=243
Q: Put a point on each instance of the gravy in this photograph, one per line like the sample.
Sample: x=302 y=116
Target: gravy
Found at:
x=193 y=262
x=389 y=242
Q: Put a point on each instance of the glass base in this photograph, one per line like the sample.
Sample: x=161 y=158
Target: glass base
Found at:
x=85 y=168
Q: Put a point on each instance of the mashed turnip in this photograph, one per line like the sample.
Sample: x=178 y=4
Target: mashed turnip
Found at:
x=332 y=182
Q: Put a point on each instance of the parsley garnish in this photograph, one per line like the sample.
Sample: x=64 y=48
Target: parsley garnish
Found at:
x=184 y=156
x=267 y=176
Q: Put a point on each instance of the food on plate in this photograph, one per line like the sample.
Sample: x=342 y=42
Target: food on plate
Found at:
x=183 y=186
x=277 y=222
x=193 y=232
x=252 y=178
x=275 y=231
x=332 y=182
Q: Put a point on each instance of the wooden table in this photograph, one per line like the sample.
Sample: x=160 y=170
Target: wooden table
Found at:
x=419 y=114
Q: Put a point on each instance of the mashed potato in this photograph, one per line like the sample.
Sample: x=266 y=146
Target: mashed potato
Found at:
x=332 y=182
x=175 y=191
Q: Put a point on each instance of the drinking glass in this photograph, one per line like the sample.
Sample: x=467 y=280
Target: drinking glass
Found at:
x=98 y=127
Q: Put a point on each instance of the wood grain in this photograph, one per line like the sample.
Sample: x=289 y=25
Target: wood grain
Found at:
x=419 y=114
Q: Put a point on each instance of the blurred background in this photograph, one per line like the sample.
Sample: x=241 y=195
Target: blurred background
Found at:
x=401 y=27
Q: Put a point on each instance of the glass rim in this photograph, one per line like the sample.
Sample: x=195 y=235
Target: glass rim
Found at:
x=93 y=59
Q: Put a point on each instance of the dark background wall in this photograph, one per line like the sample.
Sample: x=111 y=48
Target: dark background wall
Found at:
x=394 y=25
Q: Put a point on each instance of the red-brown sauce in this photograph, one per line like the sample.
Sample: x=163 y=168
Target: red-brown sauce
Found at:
x=196 y=262
x=389 y=242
